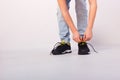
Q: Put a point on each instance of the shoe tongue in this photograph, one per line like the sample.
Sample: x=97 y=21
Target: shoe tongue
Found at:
x=63 y=42
x=82 y=43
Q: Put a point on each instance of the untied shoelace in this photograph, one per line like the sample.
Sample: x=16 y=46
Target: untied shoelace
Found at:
x=60 y=43
x=92 y=47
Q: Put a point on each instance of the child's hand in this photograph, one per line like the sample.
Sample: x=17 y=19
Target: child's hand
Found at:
x=76 y=37
x=87 y=35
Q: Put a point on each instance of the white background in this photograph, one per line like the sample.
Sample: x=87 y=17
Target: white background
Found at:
x=31 y=25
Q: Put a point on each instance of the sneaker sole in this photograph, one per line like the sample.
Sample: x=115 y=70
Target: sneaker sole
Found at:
x=65 y=52
x=87 y=53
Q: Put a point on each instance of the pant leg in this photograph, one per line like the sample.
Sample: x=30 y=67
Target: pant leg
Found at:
x=81 y=14
x=63 y=27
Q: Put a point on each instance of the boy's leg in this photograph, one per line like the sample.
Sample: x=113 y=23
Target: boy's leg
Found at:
x=64 y=46
x=81 y=14
x=63 y=27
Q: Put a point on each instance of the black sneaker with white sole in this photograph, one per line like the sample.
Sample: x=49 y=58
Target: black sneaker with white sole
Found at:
x=83 y=48
x=61 y=48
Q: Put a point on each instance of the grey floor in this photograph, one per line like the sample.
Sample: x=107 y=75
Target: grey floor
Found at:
x=104 y=65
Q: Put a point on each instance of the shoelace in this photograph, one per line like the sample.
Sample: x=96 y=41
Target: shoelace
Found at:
x=59 y=43
x=92 y=47
x=55 y=46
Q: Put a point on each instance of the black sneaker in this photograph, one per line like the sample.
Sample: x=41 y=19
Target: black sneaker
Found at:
x=61 y=48
x=83 y=48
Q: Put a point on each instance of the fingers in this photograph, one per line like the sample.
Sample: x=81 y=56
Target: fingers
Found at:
x=82 y=39
x=86 y=38
x=77 y=39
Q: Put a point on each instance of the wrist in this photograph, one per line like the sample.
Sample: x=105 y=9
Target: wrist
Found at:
x=74 y=30
x=89 y=28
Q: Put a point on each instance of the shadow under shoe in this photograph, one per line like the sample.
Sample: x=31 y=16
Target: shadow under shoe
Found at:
x=83 y=49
